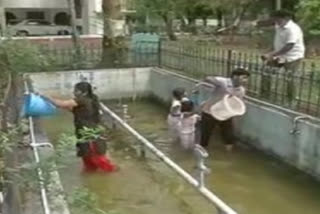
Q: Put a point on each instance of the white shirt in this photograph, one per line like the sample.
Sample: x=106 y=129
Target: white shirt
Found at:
x=175 y=107
x=188 y=124
x=290 y=33
x=225 y=86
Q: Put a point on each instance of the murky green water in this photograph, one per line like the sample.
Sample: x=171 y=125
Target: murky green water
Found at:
x=141 y=186
x=247 y=180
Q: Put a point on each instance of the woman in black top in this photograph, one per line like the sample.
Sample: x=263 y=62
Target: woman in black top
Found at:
x=85 y=109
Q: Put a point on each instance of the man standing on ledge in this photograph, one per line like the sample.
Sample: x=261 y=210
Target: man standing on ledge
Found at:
x=289 y=50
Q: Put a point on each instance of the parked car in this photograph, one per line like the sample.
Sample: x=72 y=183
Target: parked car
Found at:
x=37 y=27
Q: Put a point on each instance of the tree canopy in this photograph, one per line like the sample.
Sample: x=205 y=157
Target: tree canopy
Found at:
x=308 y=16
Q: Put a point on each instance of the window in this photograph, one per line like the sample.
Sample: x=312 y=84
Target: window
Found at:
x=10 y=18
x=35 y=15
x=62 y=18
x=78 y=7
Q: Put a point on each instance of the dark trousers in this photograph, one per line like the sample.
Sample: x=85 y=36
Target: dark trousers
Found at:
x=208 y=123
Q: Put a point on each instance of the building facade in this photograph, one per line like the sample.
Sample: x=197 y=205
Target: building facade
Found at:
x=56 y=11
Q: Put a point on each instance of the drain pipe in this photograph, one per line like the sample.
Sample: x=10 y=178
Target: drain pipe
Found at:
x=34 y=146
x=220 y=205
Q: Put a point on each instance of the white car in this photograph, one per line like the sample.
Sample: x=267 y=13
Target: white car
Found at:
x=38 y=27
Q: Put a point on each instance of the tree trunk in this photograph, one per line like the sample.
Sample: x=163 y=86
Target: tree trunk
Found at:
x=192 y=25
x=237 y=20
x=2 y=19
x=234 y=23
x=183 y=23
x=111 y=12
x=278 y=4
x=129 y=25
x=4 y=104
x=219 y=17
x=205 y=21
x=169 y=27
x=75 y=35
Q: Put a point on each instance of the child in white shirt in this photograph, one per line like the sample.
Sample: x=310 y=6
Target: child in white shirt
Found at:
x=187 y=127
x=175 y=112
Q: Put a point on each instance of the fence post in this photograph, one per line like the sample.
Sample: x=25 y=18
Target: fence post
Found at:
x=229 y=62
x=159 y=54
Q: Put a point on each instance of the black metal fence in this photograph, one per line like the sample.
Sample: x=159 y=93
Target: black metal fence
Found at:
x=299 y=90
x=142 y=54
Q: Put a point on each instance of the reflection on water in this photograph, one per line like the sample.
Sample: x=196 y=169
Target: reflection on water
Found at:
x=246 y=179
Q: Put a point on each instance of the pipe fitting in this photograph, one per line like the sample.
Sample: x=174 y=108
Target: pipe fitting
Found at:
x=44 y=144
x=295 y=129
x=201 y=154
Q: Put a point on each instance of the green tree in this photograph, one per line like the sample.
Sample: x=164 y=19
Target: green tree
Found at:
x=194 y=9
x=308 y=16
x=290 y=5
x=21 y=56
x=164 y=9
x=234 y=10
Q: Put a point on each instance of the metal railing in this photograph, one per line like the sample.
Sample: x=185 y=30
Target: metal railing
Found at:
x=298 y=91
x=55 y=182
x=140 y=54
x=34 y=145
x=217 y=202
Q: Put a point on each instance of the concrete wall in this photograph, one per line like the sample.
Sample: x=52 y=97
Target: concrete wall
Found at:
x=264 y=126
x=163 y=83
x=269 y=130
x=108 y=84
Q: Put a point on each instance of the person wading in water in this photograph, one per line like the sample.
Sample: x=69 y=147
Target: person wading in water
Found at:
x=85 y=108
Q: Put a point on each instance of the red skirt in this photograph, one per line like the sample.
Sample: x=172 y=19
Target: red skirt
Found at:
x=94 y=161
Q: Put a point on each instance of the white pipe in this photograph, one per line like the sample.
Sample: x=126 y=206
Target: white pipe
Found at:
x=203 y=190
x=37 y=159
